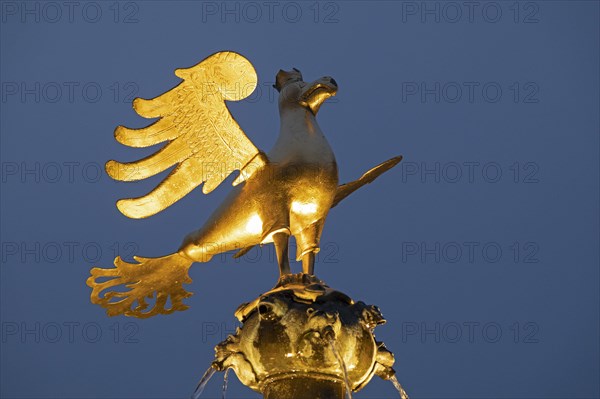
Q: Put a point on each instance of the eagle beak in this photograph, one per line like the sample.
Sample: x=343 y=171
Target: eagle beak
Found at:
x=318 y=92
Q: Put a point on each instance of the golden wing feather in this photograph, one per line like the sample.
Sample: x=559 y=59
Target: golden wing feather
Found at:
x=203 y=139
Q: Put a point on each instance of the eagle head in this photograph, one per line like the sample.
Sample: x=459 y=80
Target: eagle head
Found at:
x=294 y=92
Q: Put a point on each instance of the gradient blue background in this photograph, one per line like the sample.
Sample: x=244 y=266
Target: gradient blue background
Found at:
x=372 y=49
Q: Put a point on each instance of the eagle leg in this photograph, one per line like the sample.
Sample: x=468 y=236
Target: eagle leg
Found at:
x=281 y=241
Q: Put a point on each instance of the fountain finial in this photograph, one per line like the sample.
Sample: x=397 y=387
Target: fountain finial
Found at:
x=303 y=339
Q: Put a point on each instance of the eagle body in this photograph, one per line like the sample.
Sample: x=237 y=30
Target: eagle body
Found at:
x=292 y=193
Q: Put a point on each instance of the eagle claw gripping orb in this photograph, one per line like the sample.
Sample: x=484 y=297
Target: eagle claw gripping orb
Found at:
x=301 y=332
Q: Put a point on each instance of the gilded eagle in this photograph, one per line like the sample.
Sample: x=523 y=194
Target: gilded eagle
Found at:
x=285 y=192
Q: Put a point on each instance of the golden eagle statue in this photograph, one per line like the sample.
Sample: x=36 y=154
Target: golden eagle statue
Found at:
x=287 y=192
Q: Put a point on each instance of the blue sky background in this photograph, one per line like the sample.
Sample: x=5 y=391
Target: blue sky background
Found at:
x=481 y=248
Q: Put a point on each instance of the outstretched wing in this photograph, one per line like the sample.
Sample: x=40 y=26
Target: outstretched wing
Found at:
x=346 y=189
x=202 y=137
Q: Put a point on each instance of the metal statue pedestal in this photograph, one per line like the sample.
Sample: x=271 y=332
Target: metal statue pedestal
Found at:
x=304 y=339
